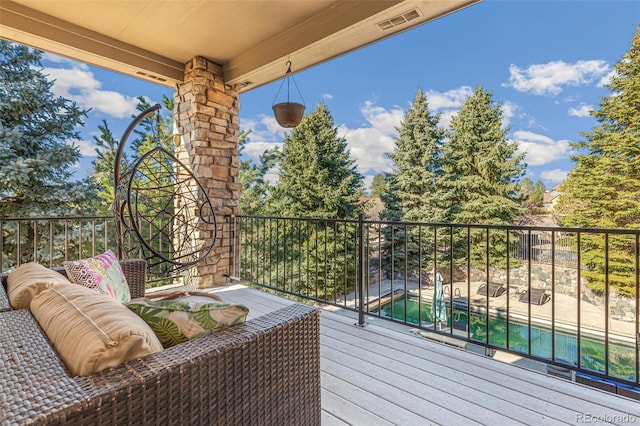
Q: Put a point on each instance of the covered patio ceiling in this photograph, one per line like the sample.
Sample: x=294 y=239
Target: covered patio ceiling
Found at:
x=251 y=39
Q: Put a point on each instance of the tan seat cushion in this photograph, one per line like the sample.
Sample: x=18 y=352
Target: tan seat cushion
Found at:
x=27 y=280
x=91 y=331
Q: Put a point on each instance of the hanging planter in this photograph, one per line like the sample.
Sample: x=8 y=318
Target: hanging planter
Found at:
x=288 y=114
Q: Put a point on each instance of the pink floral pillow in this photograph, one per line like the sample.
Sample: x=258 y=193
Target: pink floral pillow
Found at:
x=101 y=273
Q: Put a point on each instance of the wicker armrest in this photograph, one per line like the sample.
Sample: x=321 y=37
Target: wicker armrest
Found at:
x=4 y=300
x=265 y=371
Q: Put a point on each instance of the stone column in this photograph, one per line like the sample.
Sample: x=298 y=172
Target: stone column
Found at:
x=207 y=128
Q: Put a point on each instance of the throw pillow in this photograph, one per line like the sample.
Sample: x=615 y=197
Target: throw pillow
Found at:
x=28 y=280
x=183 y=318
x=101 y=273
x=91 y=331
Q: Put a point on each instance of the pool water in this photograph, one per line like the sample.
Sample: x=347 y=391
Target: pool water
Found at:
x=592 y=349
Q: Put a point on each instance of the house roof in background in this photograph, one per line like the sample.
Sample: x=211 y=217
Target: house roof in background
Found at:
x=252 y=39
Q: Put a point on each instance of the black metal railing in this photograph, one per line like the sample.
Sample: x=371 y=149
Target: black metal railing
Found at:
x=564 y=296
x=52 y=240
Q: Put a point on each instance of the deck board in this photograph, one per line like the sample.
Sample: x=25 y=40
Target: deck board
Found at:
x=379 y=375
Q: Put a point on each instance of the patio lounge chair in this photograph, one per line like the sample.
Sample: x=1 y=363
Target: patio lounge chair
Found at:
x=263 y=371
x=495 y=289
x=538 y=296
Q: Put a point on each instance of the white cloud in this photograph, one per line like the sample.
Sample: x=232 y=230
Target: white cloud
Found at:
x=450 y=99
x=382 y=119
x=555 y=175
x=369 y=144
x=264 y=129
x=582 y=110
x=253 y=150
x=87 y=148
x=605 y=80
x=327 y=96
x=76 y=165
x=446 y=117
x=78 y=84
x=447 y=103
x=509 y=110
x=540 y=149
x=543 y=79
x=368 y=147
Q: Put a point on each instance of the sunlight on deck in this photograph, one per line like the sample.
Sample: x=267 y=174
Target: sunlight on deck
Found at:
x=385 y=374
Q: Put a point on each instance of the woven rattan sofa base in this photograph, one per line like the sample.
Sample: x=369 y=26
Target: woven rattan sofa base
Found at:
x=262 y=372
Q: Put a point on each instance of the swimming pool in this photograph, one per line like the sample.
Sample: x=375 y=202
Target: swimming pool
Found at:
x=622 y=362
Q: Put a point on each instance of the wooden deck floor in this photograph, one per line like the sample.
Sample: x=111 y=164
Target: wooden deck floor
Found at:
x=380 y=375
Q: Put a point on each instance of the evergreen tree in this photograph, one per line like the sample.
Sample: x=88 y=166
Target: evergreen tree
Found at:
x=412 y=188
x=602 y=189
x=481 y=173
x=255 y=188
x=36 y=158
x=148 y=134
x=379 y=185
x=532 y=196
x=317 y=176
x=411 y=194
x=536 y=198
x=318 y=179
x=36 y=131
x=103 y=165
x=481 y=166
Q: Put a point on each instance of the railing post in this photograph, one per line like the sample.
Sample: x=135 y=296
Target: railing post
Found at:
x=361 y=270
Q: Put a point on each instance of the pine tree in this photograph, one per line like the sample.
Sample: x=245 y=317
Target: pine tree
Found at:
x=317 y=176
x=36 y=157
x=36 y=131
x=412 y=191
x=602 y=190
x=411 y=194
x=481 y=173
x=481 y=166
x=532 y=196
x=148 y=134
x=379 y=185
x=102 y=174
x=255 y=187
x=318 y=179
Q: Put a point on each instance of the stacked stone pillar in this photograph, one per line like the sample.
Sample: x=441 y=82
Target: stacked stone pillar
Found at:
x=207 y=129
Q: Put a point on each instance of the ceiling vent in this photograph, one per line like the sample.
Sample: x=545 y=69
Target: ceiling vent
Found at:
x=151 y=76
x=399 y=20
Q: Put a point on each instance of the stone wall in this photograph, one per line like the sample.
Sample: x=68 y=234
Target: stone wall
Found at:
x=207 y=129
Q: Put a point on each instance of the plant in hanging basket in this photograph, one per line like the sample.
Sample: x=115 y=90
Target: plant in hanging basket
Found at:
x=288 y=114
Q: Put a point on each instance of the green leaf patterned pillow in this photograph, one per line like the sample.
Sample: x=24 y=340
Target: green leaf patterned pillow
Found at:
x=178 y=320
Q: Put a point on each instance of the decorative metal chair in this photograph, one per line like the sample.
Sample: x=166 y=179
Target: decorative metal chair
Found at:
x=160 y=204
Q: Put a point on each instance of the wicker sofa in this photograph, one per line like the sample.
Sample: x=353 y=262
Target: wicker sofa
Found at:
x=265 y=371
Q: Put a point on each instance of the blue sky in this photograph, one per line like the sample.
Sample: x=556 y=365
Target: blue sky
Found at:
x=545 y=60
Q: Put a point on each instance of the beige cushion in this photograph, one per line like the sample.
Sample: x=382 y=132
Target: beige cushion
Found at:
x=91 y=331
x=27 y=280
